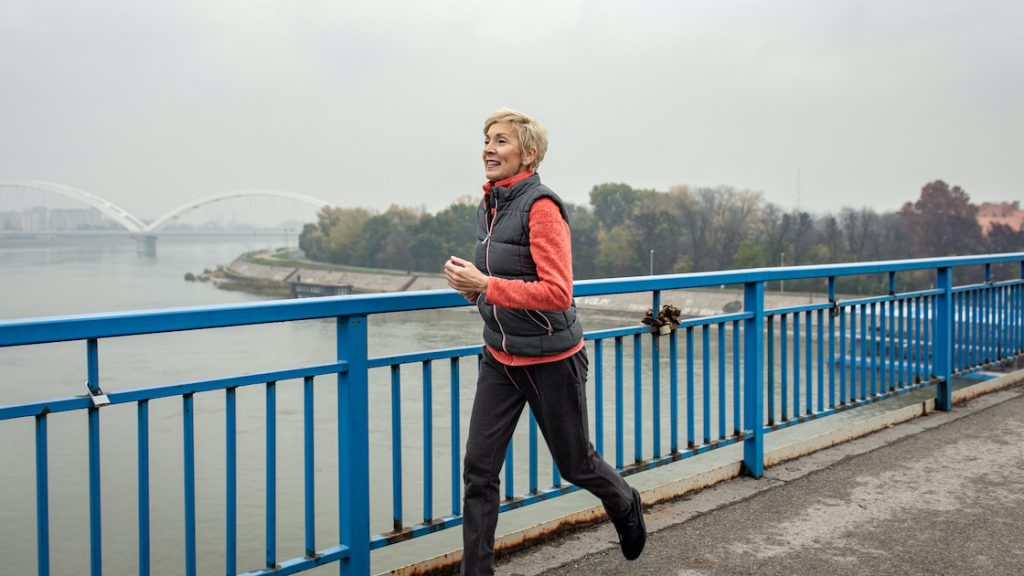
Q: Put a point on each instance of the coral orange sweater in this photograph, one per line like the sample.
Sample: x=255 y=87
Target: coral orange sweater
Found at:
x=551 y=249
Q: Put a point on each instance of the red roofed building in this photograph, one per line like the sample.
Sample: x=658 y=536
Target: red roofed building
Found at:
x=1008 y=213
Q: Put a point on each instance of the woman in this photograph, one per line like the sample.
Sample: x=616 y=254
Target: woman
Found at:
x=521 y=282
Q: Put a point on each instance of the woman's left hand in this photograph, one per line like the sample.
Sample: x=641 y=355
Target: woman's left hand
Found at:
x=463 y=276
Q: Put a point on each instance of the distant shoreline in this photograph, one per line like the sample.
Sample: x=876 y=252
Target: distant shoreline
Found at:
x=272 y=273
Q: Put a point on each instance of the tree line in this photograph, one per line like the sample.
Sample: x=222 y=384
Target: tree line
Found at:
x=625 y=231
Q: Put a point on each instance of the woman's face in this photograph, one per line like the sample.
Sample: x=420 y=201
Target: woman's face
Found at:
x=502 y=156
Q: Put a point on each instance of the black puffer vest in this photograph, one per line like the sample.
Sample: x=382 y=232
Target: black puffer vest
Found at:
x=503 y=251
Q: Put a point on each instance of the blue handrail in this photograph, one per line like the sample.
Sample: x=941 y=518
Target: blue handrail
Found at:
x=877 y=346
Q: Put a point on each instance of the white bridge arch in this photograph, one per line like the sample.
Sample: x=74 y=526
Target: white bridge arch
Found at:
x=120 y=215
x=133 y=224
x=248 y=193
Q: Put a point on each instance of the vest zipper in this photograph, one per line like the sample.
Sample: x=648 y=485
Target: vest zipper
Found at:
x=487 y=261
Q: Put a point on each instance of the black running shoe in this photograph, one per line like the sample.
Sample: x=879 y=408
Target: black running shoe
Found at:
x=632 y=529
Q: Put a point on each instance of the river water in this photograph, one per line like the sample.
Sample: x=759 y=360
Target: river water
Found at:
x=103 y=275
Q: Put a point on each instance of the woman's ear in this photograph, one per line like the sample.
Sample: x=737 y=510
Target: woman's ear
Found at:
x=530 y=156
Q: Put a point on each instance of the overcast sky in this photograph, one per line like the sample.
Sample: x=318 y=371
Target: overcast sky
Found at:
x=151 y=104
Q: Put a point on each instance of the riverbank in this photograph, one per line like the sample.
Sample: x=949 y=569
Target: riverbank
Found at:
x=274 y=273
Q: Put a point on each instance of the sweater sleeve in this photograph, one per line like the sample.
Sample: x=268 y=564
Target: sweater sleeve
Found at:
x=551 y=248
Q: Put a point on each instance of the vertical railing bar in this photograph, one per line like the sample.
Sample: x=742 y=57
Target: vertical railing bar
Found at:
x=770 y=363
x=721 y=380
x=95 y=509
x=988 y=314
x=796 y=365
x=271 y=479
x=1003 y=324
x=853 y=353
x=874 y=349
x=397 y=512
x=753 y=391
x=619 y=432
x=353 y=445
x=691 y=439
x=890 y=354
x=189 y=446
x=902 y=343
x=842 y=355
x=863 y=364
x=42 y=499
x=943 y=340
x=969 y=329
x=930 y=334
x=142 y=439
x=231 y=482
x=808 y=369
x=456 y=437
x=533 y=452
x=911 y=340
x=656 y=394
x=821 y=360
x=705 y=343
x=310 y=457
x=832 y=341
x=673 y=385
x=918 y=337
x=599 y=395
x=509 y=470
x=979 y=328
x=656 y=379
x=638 y=428
x=737 y=424
x=1000 y=307
x=428 y=441
x=890 y=347
x=784 y=376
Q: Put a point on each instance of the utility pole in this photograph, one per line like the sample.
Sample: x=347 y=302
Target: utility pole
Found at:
x=782 y=283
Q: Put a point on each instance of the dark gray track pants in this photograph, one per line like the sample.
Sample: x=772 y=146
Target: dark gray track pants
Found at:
x=556 y=392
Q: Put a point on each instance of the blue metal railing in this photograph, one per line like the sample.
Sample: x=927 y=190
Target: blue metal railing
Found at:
x=788 y=365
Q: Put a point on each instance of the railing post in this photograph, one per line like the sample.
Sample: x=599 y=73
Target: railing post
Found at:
x=353 y=447
x=753 y=379
x=943 y=344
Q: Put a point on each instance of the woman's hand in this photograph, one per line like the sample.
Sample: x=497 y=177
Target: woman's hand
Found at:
x=465 y=278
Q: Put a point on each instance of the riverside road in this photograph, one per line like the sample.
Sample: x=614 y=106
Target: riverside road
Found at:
x=942 y=494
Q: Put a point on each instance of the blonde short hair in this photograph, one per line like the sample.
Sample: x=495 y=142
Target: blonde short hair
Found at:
x=530 y=132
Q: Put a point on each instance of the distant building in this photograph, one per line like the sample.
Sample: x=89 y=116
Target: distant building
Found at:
x=42 y=219
x=1007 y=213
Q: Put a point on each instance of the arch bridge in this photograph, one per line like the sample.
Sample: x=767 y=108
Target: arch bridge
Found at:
x=147 y=233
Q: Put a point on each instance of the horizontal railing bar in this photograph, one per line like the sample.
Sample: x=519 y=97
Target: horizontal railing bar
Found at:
x=617 y=332
x=718 y=319
x=985 y=285
x=798 y=309
x=705 y=279
x=396 y=359
x=65 y=328
x=294 y=565
x=644 y=329
x=168 y=391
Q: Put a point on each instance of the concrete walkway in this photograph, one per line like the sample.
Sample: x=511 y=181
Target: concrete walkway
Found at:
x=896 y=502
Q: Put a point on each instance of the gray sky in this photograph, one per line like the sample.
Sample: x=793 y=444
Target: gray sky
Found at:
x=151 y=104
